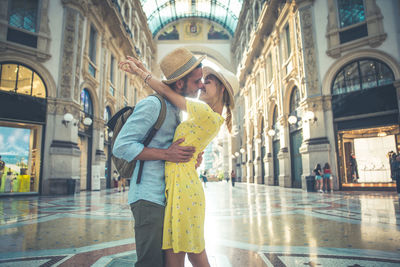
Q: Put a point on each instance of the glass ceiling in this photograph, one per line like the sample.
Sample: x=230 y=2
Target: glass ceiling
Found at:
x=161 y=12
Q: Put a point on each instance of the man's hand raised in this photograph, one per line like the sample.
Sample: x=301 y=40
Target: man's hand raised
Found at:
x=177 y=153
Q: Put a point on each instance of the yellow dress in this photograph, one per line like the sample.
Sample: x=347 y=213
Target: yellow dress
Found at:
x=185 y=207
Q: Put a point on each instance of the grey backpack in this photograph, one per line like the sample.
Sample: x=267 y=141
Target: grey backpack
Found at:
x=116 y=123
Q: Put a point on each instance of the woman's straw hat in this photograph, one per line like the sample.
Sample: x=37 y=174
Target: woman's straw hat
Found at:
x=227 y=79
x=178 y=63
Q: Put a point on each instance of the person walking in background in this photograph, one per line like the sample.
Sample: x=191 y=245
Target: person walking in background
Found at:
x=318 y=177
x=204 y=179
x=121 y=183
x=233 y=177
x=396 y=172
x=116 y=179
x=327 y=178
x=354 y=168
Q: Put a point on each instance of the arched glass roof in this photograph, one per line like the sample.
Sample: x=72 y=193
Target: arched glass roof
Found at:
x=161 y=12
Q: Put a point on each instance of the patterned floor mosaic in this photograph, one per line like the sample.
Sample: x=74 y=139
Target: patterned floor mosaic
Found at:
x=246 y=225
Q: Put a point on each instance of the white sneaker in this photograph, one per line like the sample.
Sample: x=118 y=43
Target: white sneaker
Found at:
x=320 y=191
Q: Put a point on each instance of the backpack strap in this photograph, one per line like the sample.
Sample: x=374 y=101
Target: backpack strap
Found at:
x=153 y=131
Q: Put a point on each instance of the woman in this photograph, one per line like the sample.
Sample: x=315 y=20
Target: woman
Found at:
x=327 y=177
x=318 y=177
x=185 y=208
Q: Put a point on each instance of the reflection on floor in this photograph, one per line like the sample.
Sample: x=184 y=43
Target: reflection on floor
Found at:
x=248 y=225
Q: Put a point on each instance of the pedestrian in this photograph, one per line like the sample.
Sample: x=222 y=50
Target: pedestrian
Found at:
x=233 y=177
x=327 y=178
x=116 y=178
x=204 y=179
x=318 y=177
x=185 y=210
x=396 y=172
x=147 y=199
x=354 y=168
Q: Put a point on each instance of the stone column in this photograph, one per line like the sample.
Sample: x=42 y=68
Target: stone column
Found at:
x=64 y=152
x=250 y=162
x=283 y=155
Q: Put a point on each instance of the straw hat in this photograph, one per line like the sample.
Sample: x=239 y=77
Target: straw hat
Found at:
x=178 y=63
x=227 y=79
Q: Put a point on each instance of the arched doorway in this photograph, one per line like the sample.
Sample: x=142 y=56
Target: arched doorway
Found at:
x=85 y=133
x=365 y=112
x=296 y=138
x=22 y=125
x=276 y=145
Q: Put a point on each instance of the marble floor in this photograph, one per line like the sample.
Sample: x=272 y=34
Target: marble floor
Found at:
x=246 y=225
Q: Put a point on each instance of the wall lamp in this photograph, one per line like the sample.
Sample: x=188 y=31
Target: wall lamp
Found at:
x=310 y=117
x=67 y=119
x=292 y=119
x=87 y=121
x=271 y=132
x=237 y=154
x=242 y=150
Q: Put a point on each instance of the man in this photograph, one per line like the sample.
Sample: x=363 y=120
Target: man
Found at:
x=184 y=74
x=396 y=172
x=354 y=168
x=233 y=177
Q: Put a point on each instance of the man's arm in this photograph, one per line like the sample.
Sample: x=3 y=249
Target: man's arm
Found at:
x=174 y=153
x=128 y=144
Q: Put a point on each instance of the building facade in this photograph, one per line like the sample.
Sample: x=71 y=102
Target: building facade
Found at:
x=60 y=84
x=319 y=84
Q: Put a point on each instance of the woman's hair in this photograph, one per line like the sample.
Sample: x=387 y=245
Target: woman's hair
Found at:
x=318 y=167
x=226 y=102
x=326 y=167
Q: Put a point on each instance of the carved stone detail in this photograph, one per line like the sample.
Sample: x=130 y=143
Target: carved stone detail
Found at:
x=78 y=58
x=66 y=83
x=310 y=60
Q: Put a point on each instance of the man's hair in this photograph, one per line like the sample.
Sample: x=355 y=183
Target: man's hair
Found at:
x=186 y=77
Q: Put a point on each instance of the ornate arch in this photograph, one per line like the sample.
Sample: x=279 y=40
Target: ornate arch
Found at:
x=37 y=67
x=95 y=99
x=287 y=94
x=366 y=53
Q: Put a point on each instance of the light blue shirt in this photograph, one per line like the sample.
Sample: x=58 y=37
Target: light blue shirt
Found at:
x=129 y=144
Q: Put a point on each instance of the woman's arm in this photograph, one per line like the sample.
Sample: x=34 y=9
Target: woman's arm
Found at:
x=136 y=67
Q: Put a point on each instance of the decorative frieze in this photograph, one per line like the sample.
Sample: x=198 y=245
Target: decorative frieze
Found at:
x=309 y=51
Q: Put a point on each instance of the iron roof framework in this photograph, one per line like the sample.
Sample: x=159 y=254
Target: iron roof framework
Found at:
x=162 y=12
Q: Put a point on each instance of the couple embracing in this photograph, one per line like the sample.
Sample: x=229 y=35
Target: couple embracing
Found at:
x=168 y=205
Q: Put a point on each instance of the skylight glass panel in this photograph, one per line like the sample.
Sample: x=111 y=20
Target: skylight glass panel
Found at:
x=203 y=7
x=161 y=12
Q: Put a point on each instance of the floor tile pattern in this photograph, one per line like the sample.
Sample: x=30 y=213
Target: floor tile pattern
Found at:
x=246 y=225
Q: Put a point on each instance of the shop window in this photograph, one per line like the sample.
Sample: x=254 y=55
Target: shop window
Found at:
x=22 y=80
x=126 y=86
x=361 y=75
x=294 y=100
x=20 y=155
x=22 y=19
x=107 y=113
x=350 y=12
x=112 y=66
x=269 y=69
x=92 y=50
x=86 y=103
x=23 y=14
x=350 y=26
